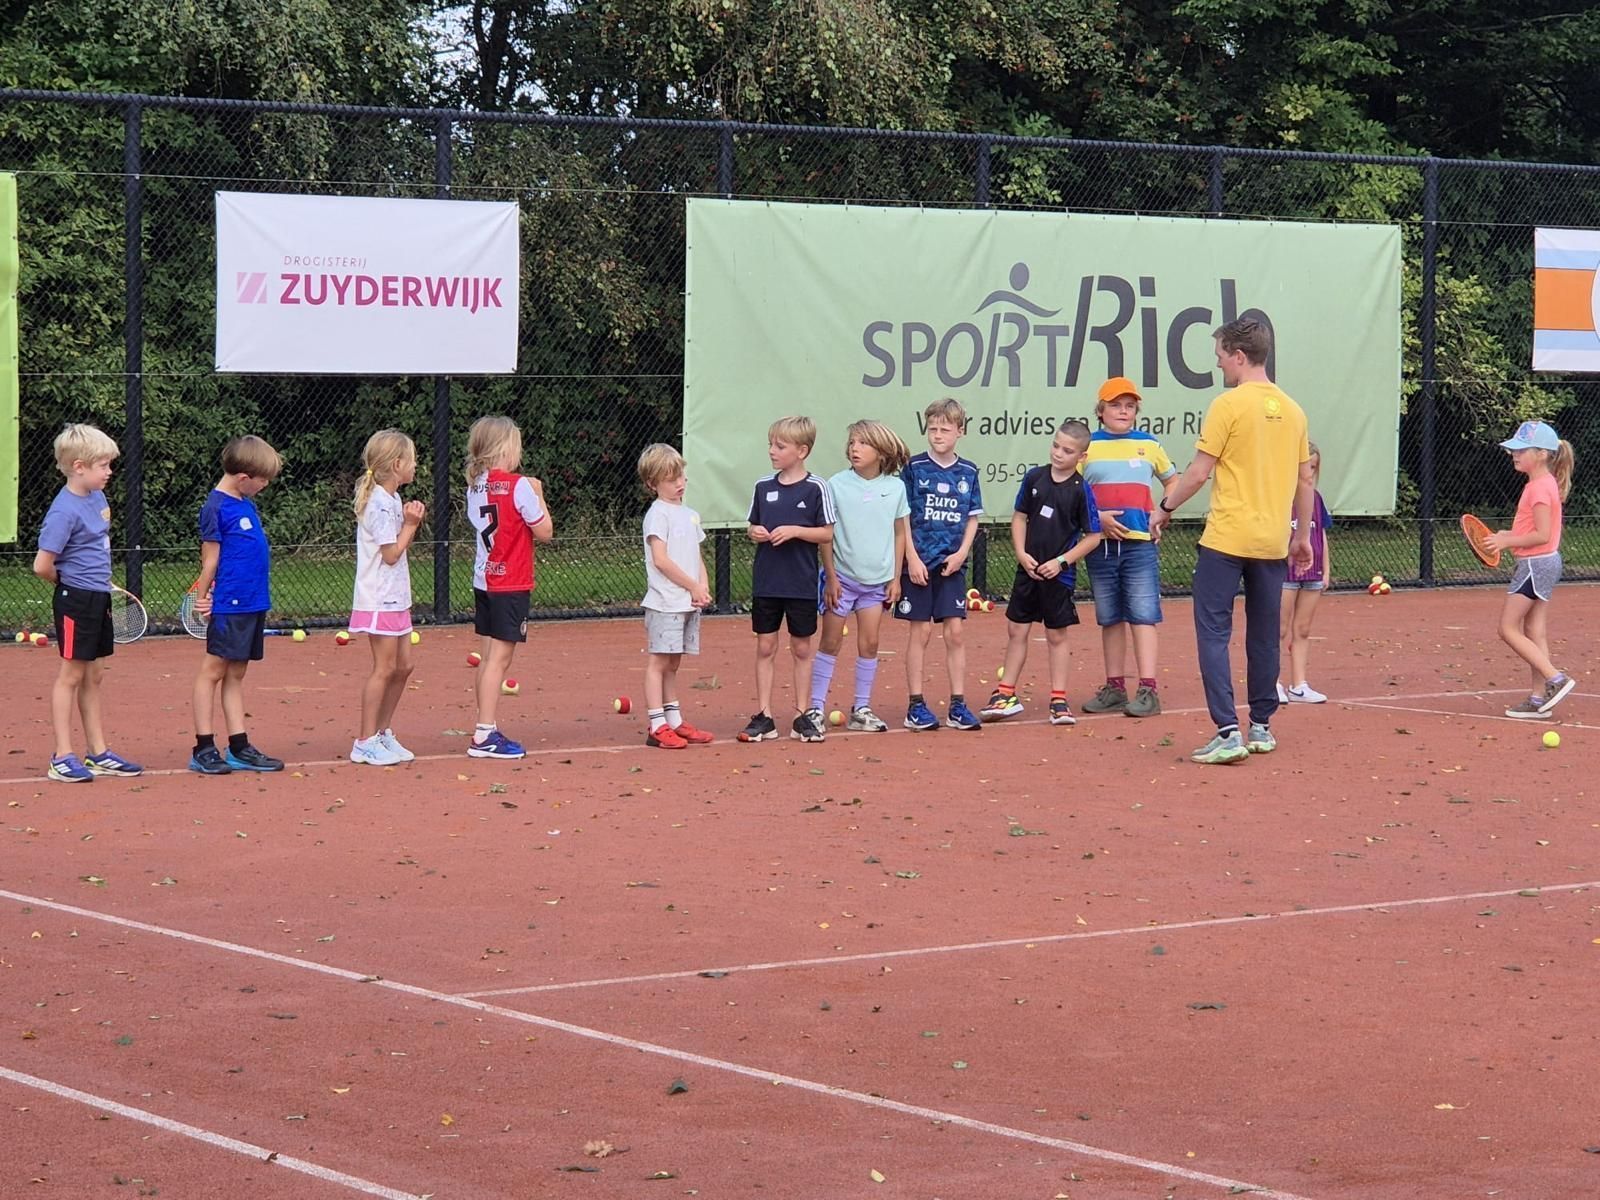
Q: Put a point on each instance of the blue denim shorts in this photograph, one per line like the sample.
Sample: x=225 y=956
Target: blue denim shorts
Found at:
x=1126 y=578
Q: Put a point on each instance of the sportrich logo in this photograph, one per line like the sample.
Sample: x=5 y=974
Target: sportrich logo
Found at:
x=250 y=287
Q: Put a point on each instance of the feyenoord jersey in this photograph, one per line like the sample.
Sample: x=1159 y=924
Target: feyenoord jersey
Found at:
x=502 y=508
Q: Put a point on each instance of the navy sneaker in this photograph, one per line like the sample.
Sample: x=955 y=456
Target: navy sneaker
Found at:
x=209 y=762
x=920 y=717
x=496 y=745
x=962 y=717
x=111 y=763
x=251 y=759
x=67 y=769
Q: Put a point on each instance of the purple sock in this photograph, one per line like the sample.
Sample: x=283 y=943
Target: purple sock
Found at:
x=866 y=673
x=821 y=676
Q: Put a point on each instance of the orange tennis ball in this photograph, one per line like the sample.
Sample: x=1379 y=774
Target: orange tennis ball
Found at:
x=1384 y=589
x=341 y=638
x=510 y=687
x=21 y=636
x=973 y=593
x=1374 y=588
x=41 y=639
x=988 y=606
x=622 y=705
x=474 y=658
x=836 y=717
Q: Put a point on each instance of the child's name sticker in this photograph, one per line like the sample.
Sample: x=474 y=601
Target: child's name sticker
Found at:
x=1046 y=511
x=772 y=496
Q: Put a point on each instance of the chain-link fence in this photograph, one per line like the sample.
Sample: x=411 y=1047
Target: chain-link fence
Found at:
x=117 y=305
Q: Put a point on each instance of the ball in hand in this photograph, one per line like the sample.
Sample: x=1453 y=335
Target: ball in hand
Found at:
x=1552 y=739
x=510 y=687
x=473 y=658
x=299 y=635
x=622 y=705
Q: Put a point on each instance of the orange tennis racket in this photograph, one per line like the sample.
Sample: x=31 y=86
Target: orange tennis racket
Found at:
x=1477 y=535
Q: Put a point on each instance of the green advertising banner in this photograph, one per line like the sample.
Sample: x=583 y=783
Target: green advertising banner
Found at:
x=841 y=313
x=9 y=388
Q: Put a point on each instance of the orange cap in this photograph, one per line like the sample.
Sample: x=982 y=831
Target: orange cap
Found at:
x=1119 y=385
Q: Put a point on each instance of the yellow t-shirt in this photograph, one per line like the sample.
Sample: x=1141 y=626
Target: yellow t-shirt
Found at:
x=1258 y=437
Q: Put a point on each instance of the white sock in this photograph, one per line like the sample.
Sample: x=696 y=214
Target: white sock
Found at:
x=658 y=718
x=674 y=713
x=481 y=732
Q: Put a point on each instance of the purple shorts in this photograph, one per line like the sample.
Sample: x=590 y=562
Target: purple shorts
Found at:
x=853 y=595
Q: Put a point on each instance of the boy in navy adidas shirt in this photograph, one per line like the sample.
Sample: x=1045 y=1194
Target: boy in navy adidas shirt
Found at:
x=791 y=513
x=942 y=489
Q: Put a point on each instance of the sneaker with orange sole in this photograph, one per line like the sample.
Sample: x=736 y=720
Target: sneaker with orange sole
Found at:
x=695 y=737
x=665 y=738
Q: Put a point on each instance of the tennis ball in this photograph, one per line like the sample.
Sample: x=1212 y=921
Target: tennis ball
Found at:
x=342 y=638
x=836 y=717
x=510 y=687
x=1552 y=739
x=416 y=638
x=622 y=705
x=1384 y=589
x=973 y=593
x=21 y=636
x=988 y=606
x=1377 y=579
x=1374 y=587
x=474 y=658
x=41 y=639
x=299 y=635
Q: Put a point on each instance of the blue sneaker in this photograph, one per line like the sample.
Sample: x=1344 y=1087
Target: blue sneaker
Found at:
x=920 y=717
x=209 y=762
x=496 y=745
x=251 y=759
x=962 y=717
x=67 y=769
x=111 y=763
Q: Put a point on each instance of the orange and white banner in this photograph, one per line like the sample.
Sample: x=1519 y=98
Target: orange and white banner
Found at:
x=339 y=285
x=1566 y=300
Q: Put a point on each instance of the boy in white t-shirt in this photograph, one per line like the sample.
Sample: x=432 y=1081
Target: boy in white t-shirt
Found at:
x=676 y=592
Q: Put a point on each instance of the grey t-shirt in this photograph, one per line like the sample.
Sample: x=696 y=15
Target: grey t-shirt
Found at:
x=77 y=530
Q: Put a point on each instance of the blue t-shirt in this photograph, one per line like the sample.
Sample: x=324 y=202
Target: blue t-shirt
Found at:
x=789 y=571
x=245 y=563
x=77 y=530
x=941 y=499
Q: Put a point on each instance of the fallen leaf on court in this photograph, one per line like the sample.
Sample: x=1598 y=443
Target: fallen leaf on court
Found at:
x=581 y=1170
x=1591 y=1149
x=329 y=938
x=813 y=808
x=283 y=1016
x=167 y=881
x=1528 y=892
x=507 y=804
x=598 y=1148
x=876 y=1176
x=29 y=1035
x=497 y=789
x=446 y=1119
x=713 y=974
x=642 y=884
x=908 y=874
x=1540 y=842
x=634 y=770
x=1081 y=921
x=295 y=1117
x=930 y=1033
x=1445 y=1107
x=454 y=733
x=960 y=1064
x=706 y=684
x=125 y=1040
x=662 y=1175
x=344 y=1091
x=239 y=833
x=1204 y=1005
x=96 y=880
x=1402 y=730
x=677 y=1087
x=817 y=771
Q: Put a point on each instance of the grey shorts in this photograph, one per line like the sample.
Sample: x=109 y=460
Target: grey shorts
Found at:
x=1536 y=577
x=671 y=632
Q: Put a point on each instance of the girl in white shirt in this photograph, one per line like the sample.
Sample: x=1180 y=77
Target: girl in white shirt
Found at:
x=382 y=605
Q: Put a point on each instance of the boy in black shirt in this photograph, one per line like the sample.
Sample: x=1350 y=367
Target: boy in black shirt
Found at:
x=1055 y=524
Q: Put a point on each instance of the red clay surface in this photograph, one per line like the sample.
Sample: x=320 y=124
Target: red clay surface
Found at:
x=516 y=949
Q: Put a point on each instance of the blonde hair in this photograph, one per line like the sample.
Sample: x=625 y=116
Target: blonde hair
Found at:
x=893 y=454
x=797 y=431
x=252 y=456
x=385 y=453
x=1316 y=453
x=657 y=464
x=948 y=409
x=492 y=442
x=1562 y=461
x=85 y=444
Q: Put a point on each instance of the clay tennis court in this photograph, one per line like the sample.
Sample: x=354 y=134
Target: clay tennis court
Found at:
x=1029 y=962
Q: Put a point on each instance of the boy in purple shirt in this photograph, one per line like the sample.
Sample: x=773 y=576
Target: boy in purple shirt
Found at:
x=75 y=557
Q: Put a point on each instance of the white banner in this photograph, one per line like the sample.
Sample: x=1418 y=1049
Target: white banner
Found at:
x=336 y=285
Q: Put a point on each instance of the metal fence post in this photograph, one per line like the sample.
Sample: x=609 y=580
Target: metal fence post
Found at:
x=133 y=344
x=980 y=561
x=1215 y=183
x=1427 y=316
x=442 y=131
x=724 y=570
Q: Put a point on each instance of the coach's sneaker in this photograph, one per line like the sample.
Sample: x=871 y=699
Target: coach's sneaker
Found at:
x=1002 y=705
x=1224 y=748
x=68 y=769
x=693 y=736
x=1061 y=712
x=111 y=763
x=1107 y=699
x=761 y=728
x=864 y=720
x=495 y=745
x=251 y=759
x=209 y=762
x=807 y=726
x=961 y=717
x=1145 y=703
x=920 y=717
x=1555 y=691
x=372 y=752
x=1302 y=693
x=393 y=746
x=665 y=737
x=1260 y=740
x=1526 y=709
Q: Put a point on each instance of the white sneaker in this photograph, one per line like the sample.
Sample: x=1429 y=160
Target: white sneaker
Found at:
x=1305 y=694
x=372 y=752
x=1283 y=694
x=393 y=746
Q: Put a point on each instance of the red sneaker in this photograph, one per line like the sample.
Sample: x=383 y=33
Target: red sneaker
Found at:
x=665 y=738
x=695 y=737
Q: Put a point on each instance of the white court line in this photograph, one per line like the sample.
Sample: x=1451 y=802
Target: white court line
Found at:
x=219 y=1140
x=1008 y=943
x=1171 y=1170
x=624 y=747
x=1546 y=722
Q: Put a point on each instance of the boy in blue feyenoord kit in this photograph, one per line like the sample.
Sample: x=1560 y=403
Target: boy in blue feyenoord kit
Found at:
x=1055 y=526
x=234 y=593
x=791 y=513
x=942 y=489
x=75 y=556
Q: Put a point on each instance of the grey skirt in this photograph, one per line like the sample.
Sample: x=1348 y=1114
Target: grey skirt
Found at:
x=1536 y=577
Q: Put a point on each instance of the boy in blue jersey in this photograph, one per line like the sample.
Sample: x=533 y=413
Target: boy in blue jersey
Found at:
x=75 y=559
x=1054 y=526
x=234 y=592
x=942 y=489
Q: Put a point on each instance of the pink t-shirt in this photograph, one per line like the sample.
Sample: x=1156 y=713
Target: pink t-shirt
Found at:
x=1543 y=490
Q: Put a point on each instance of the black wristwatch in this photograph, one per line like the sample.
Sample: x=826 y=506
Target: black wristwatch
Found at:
x=1162 y=504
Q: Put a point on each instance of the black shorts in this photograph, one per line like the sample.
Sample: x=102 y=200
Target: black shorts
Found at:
x=1046 y=600
x=83 y=623
x=942 y=598
x=236 y=636
x=501 y=616
x=769 y=613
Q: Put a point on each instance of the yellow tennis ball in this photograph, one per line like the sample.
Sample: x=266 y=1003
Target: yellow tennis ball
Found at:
x=416 y=638
x=299 y=635
x=21 y=636
x=1552 y=739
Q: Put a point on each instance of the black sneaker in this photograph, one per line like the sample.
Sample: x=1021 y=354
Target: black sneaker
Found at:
x=760 y=729
x=251 y=759
x=209 y=762
x=807 y=726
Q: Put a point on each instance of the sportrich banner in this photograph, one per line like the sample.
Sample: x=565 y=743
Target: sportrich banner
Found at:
x=331 y=285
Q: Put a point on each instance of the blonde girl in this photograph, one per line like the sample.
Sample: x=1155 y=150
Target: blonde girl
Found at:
x=508 y=515
x=1302 y=590
x=1535 y=538
x=861 y=568
x=382 y=605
